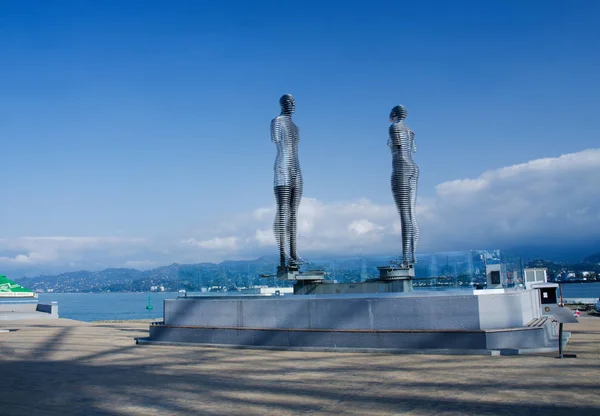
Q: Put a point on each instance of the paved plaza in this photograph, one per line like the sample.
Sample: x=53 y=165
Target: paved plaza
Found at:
x=65 y=367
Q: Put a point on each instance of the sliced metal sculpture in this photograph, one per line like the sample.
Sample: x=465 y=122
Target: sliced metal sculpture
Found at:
x=287 y=183
x=405 y=177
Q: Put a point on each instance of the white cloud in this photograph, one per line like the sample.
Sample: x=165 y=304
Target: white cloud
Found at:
x=18 y=259
x=360 y=227
x=262 y=213
x=544 y=200
x=265 y=237
x=64 y=252
x=551 y=199
x=217 y=243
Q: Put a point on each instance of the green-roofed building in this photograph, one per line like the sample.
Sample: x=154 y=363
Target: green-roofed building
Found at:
x=18 y=302
x=10 y=289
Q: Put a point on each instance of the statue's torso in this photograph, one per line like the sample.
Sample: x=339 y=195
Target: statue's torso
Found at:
x=286 y=135
x=401 y=144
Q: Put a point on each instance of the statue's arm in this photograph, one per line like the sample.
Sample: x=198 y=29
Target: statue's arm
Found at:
x=391 y=136
x=275 y=130
x=414 y=149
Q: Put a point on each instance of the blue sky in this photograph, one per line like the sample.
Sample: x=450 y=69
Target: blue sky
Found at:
x=148 y=119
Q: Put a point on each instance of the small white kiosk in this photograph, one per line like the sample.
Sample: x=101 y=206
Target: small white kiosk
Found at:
x=537 y=279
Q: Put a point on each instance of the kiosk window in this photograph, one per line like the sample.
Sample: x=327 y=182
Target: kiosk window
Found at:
x=495 y=275
x=548 y=295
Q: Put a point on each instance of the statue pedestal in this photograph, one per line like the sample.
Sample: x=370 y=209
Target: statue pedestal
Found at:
x=287 y=274
x=392 y=279
x=306 y=282
x=293 y=273
x=397 y=272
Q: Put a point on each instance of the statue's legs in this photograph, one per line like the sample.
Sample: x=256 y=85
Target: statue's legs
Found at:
x=282 y=196
x=401 y=192
x=295 y=197
x=414 y=184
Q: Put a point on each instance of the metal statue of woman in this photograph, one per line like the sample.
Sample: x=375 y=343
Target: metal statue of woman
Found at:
x=405 y=177
x=287 y=181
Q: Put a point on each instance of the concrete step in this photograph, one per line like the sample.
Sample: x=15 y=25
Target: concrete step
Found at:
x=538 y=322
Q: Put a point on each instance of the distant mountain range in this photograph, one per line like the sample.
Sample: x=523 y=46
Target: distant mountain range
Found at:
x=244 y=273
x=189 y=276
x=560 y=253
x=171 y=278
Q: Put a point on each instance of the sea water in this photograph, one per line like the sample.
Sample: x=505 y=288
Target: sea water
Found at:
x=581 y=290
x=108 y=306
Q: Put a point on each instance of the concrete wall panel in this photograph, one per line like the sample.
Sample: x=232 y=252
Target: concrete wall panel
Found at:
x=508 y=310
x=414 y=312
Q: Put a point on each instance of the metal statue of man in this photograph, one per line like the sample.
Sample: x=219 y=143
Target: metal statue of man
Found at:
x=287 y=183
x=405 y=177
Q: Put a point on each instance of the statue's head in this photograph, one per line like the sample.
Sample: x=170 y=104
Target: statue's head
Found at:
x=398 y=113
x=287 y=103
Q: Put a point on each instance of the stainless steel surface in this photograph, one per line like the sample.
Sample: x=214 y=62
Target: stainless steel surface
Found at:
x=404 y=180
x=287 y=183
